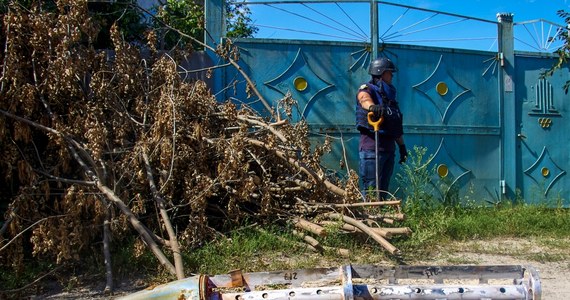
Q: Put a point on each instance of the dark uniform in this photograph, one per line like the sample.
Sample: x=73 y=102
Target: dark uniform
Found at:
x=383 y=95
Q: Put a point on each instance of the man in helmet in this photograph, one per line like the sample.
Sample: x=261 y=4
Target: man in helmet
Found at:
x=379 y=96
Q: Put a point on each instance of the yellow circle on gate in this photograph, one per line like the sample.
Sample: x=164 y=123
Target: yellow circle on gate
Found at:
x=545 y=172
x=442 y=170
x=300 y=83
x=442 y=88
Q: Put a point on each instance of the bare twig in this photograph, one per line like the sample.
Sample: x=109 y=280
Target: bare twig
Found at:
x=34 y=282
x=28 y=228
x=107 y=249
x=294 y=162
x=165 y=218
x=137 y=225
x=272 y=129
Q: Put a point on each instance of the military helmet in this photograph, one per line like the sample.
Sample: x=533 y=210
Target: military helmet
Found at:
x=379 y=65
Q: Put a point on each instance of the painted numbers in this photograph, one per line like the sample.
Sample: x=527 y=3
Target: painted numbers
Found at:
x=290 y=276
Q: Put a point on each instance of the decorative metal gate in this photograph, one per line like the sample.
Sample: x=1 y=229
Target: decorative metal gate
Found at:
x=542 y=153
x=493 y=127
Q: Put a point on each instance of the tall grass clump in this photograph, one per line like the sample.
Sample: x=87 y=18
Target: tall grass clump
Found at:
x=437 y=213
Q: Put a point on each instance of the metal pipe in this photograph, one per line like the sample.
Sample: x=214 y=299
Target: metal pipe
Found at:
x=363 y=282
x=374 y=30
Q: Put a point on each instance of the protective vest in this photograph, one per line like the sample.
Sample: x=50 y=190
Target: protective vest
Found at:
x=392 y=126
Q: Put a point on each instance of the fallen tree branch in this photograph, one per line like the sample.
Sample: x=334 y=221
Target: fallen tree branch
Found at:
x=137 y=225
x=141 y=229
x=398 y=230
x=272 y=129
x=351 y=228
x=387 y=232
x=309 y=240
x=358 y=204
x=308 y=226
x=311 y=173
x=178 y=263
x=387 y=215
x=384 y=243
x=107 y=249
x=339 y=251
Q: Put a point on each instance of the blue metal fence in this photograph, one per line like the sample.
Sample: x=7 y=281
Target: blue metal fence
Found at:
x=493 y=127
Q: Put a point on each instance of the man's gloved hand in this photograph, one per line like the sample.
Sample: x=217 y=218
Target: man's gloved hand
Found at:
x=378 y=110
x=403 y=154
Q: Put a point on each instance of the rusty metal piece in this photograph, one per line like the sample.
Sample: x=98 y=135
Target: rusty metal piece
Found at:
x=237 y=278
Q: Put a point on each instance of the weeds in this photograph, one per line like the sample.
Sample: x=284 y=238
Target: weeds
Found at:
x=436 y=212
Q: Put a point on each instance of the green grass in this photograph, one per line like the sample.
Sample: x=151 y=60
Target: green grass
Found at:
x=250 y=249
x=255 y=249
x=432 y=226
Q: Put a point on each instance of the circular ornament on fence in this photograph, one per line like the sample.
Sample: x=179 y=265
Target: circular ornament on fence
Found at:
x=442 y=88
x=442 y=170
x=300 y=83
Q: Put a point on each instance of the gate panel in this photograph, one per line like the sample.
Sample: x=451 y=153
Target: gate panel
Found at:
x=451 y=106
x=544 y=158
x=449 y=99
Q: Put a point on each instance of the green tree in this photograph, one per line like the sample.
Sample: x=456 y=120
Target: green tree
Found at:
x=239 y=23
x=188 y=17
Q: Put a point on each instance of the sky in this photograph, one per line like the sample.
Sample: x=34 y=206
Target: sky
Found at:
x=350 y=22
x=523 y=10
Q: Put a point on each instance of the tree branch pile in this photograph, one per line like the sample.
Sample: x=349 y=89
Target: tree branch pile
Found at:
x=98 y=143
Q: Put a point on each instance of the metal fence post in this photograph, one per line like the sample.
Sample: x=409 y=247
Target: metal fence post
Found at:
x=508 y=116
x=374 y=29
x=215 y=30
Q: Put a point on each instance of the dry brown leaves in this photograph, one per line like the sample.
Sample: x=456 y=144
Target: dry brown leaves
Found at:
x=214 y=164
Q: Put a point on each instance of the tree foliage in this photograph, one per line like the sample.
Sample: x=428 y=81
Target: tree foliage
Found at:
x=239 y=22
x=188 y=17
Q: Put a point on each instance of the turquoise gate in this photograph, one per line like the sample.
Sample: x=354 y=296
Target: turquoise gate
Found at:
x=493 y=127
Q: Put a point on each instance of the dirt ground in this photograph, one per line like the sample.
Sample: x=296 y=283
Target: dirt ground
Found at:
x=551 y=258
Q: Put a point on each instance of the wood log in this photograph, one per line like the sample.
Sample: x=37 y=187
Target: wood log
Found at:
x=308 y=226
x=398 y=230
x=351 y=228
x=339 y=251
x=360 y=204
x=383 y=242
x=393 y=216
x=314 y=245
x=161 y=203
x=344 y=226
x=309 y=240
